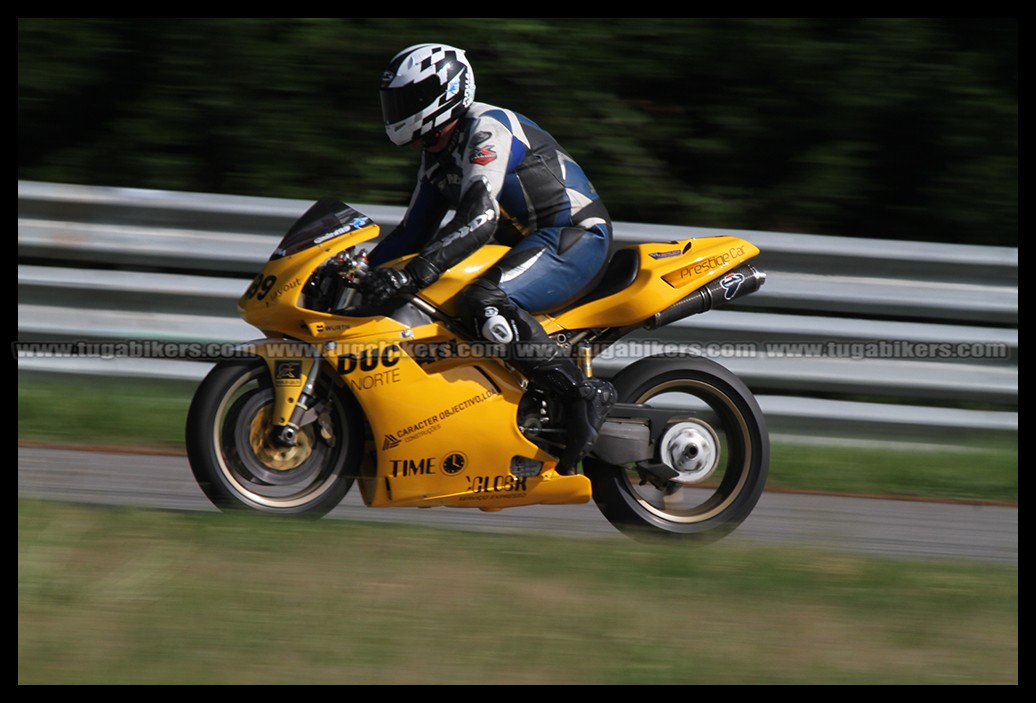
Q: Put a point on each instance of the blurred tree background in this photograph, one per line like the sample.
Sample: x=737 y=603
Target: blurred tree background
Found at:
x=868 y=127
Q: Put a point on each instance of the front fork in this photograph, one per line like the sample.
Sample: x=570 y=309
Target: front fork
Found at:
x=294 y=368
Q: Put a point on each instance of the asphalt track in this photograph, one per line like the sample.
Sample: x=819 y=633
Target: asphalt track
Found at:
x=906 y=528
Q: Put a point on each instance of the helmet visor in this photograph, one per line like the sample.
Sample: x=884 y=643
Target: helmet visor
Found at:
x=397 y=104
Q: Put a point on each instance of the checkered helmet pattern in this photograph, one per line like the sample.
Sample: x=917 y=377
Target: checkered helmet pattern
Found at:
x=425 y=87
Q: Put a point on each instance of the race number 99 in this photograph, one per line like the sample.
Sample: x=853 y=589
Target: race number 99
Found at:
x=260 y=287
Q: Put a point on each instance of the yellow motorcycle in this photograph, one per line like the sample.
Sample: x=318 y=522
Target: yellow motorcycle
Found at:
x=399 y=400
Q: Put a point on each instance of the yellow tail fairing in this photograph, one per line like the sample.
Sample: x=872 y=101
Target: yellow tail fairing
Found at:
x=667 y=272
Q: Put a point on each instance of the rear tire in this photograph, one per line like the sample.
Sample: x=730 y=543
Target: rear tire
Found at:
x=724 y=427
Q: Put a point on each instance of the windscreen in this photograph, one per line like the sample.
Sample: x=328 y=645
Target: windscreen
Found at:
x=326 y=219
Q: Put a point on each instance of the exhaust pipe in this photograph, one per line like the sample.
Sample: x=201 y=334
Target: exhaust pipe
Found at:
x=741 y=281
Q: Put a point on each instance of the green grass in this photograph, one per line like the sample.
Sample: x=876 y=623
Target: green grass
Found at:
x=119 y=595
x=981 y=471
x=68 y=409
x=151 y=413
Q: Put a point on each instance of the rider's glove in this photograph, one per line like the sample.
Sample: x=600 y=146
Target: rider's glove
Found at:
x=383 y=284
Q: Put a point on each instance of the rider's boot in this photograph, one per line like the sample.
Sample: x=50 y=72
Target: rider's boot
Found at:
x=528 y=347
x=587 y=403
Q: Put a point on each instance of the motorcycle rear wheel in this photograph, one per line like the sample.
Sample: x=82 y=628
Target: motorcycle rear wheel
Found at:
x=237 y=465
x=717 y=416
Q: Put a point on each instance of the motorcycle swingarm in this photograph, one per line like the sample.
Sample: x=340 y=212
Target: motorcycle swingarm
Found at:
x=631 y=434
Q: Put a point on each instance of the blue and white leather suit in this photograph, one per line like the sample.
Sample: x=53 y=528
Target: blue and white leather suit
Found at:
x=509 y=182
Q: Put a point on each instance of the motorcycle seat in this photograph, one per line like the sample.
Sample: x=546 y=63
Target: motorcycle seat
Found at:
x=619 y=273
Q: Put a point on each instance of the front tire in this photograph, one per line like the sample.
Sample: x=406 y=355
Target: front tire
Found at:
x=237 y=465
x=717 y=423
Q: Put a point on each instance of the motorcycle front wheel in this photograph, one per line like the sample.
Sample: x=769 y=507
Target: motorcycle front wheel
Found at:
x=237 y=464
x=715 y=447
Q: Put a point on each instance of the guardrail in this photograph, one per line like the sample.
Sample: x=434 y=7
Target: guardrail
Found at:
x=848 y=336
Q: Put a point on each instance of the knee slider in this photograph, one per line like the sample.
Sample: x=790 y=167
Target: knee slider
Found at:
x=496 y=327
x=491 y=312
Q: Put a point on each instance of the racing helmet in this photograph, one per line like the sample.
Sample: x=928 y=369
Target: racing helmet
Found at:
x=424 y=88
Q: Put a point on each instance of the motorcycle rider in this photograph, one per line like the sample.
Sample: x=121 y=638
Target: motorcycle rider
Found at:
x=508 y=181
